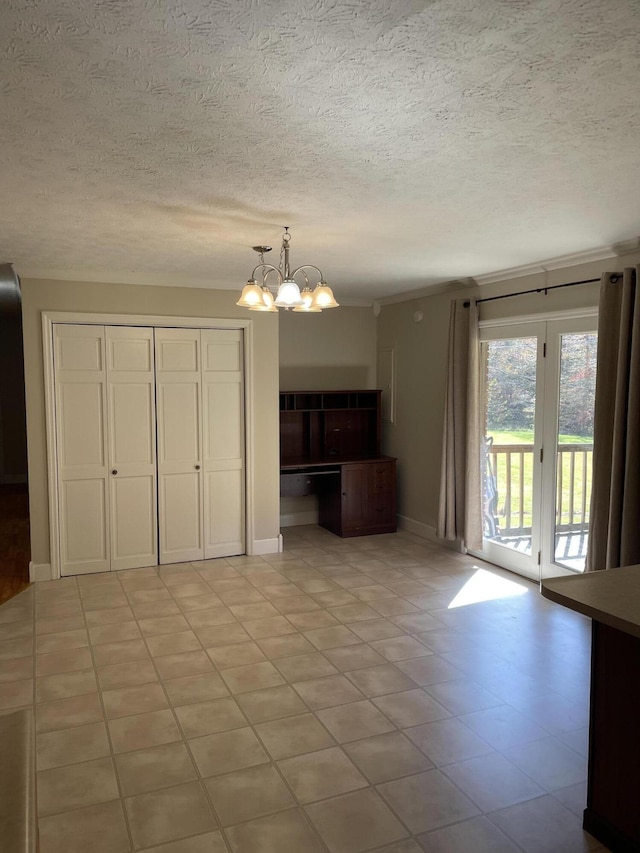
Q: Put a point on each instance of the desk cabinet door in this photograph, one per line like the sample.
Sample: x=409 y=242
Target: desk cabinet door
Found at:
x=368 y=498
x=354 y=497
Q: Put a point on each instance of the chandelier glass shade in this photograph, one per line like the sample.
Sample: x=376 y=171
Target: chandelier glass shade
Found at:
x=307 y=305
x=261 y=297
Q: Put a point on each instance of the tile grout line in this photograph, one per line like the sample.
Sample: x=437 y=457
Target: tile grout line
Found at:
x=114 y=766
x=273 y=661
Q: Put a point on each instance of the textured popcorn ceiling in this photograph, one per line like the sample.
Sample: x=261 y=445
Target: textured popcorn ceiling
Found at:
x=406 y=142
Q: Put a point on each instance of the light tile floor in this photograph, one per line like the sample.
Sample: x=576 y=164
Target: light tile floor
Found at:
x=323 y=699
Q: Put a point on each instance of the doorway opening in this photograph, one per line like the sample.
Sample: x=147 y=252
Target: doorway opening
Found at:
x=15 y=548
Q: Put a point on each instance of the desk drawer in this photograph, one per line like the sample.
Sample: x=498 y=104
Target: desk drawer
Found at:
x=381 y=477
x=296 y=485
x=299 y=483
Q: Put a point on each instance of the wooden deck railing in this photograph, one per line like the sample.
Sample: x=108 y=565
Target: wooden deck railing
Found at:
x=573 y=486
x=512 y=466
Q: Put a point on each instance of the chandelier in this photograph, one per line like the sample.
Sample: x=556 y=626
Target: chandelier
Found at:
x=285 y=293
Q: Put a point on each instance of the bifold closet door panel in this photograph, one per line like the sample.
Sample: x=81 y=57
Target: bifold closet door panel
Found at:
x=223 y=442
x=132 y=446
x=179 y=424
x=82 y=457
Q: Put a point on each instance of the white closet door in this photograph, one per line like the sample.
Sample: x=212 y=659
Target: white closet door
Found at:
x=223 y=445
x=178 y=380
x=132 y=450
x=81 y=405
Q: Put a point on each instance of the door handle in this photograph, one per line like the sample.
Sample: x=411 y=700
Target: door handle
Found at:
x=115 y=471
x=197 y=467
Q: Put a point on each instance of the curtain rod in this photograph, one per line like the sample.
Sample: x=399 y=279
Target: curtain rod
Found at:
x=614 y=279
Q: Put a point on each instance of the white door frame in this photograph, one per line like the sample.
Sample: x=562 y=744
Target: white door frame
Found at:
x=544 y=475
x=525 y=564
x=73 y=318
x=554 y=331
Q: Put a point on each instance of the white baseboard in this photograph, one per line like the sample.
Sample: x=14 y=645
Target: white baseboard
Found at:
x=39 y=572
x=417 y=527
x=296 y=519
x=427 y=531
x=265 y=546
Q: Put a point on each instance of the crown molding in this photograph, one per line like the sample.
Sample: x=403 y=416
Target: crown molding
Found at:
x=433 y=290
x=603 y=253
x=612 y=252
x=356 y=303
x=627 y=247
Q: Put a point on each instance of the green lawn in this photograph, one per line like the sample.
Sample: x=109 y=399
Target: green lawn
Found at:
x=514 y=476
x=526 y=437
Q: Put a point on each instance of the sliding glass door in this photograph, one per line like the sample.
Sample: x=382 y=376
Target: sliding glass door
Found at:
x=538 y=395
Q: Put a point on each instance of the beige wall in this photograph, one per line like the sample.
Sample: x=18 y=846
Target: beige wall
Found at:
x=420 y=369
x=40 y=295
x=329 y=351
x=332 y=350
x=420 y=350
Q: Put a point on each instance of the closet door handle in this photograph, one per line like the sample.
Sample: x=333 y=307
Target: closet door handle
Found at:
x=115 y=471
x=197 y=467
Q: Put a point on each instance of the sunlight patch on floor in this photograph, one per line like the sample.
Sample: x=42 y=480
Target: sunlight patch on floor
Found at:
x=485 y=586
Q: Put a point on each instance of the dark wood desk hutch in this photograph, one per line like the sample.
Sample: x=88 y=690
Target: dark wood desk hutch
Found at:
x=330 y=447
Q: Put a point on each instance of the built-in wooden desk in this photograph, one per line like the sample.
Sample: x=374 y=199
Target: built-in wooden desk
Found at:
x=612 y=600
x=356 y=496
x=330 y=447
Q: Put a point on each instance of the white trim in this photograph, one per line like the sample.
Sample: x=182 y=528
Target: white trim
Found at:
x=427 y=531
x=433 y=290
x=557 y=263
x=569 y=314
x=250 y=435
x=73 y=318
x=39 y=572
x=265 y=546
x=604 y=253
x=50 y=423
x=296 y=519
x=161 y=321
x=355 y=302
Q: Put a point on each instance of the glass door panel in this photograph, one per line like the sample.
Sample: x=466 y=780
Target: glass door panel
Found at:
x=511 y=375
x=574 y=448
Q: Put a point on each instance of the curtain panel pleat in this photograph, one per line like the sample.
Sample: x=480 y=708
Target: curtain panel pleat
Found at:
x=460 y=507
x=614 y=520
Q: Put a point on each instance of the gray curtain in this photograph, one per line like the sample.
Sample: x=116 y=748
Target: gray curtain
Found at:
x=614 y=521
x=460 y=510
